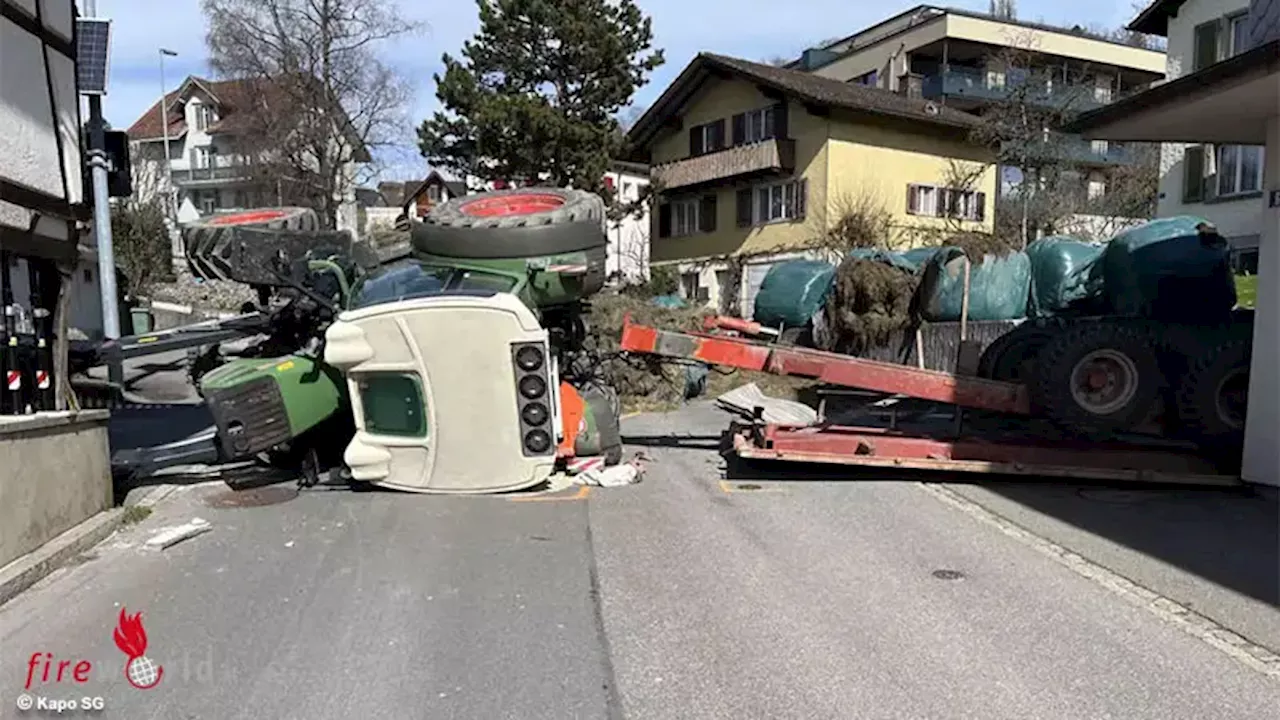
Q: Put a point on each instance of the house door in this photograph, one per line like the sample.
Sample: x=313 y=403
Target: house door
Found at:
x=752 y=277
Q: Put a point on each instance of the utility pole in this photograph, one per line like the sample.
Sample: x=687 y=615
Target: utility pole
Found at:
x=102 y=219
x=164 y=125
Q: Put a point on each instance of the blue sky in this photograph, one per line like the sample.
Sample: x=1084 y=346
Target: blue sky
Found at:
x=750 y=29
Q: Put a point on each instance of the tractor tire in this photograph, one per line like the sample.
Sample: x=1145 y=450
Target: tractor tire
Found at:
x=203 y=240
x=1098 y=375
x=1012 y=356
x=1213 y=396
x=529 y=222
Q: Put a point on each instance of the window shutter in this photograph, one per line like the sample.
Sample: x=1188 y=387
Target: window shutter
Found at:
x=744 y=207
x=802 y=200
x=664 y=220
x=717 y=136
x=913 y=200
x=980 y=212
x=707 y=212
x=695 y=141
x=739 y=129
x=1193 y=174
x=779 y=112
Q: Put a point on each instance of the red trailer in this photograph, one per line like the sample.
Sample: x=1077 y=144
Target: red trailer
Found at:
x=1002 y=448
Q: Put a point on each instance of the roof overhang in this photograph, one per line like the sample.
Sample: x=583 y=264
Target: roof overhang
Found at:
x=1229 y=102
x=1154 y=19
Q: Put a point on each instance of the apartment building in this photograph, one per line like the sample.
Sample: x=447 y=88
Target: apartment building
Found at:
x=955 y=58
x=1222 y=183
x=756 y=162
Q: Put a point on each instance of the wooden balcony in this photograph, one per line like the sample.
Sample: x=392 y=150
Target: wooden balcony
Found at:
x=767 y=156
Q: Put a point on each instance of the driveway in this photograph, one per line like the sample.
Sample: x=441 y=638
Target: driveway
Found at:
x=686 y=596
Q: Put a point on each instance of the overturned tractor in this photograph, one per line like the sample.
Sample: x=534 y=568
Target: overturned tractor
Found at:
x=459 y=369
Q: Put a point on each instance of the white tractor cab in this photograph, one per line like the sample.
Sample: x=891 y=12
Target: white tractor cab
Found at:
x=465 y=365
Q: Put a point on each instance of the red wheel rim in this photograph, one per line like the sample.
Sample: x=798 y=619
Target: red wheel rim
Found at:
x=255 y=216
x=506 y=205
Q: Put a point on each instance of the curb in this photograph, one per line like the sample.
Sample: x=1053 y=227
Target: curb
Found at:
x=1252 y=655
x=38 y=564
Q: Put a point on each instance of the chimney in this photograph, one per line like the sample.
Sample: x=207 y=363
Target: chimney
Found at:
x=911 y=85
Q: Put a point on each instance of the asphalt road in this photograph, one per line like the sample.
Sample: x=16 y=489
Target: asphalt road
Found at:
x=682 y=597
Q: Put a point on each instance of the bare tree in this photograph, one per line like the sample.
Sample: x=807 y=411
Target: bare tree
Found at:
x=1022 y=129
x=316 y=101
x=1007 y=9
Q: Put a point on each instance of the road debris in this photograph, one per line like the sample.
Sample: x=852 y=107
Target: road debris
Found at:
x=168 y=536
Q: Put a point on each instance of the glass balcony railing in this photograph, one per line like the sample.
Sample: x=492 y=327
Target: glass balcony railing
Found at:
x=983 y=86
x=234 y=171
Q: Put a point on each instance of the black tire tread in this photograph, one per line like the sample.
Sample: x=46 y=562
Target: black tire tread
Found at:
x=1197 y=391
x=205 y=242
x=1051 y=386
x=575 y=226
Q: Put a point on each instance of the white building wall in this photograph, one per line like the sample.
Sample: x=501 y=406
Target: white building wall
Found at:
x=627 y=254
x=1238 y=219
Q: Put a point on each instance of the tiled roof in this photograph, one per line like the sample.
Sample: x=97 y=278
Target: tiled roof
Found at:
x=827 y=91
x=228 y=94
x=806 y=87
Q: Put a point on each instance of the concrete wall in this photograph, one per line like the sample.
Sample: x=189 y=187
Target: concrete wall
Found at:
x=56 y=474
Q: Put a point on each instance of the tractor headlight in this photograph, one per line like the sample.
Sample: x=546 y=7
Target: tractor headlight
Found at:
x=529 y=358
x=533 y=386
x=537 y=441
x=535 y=413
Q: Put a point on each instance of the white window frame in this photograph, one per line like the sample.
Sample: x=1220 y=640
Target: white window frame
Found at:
x=433 y=193
x=684 y=217
x=208 y=203
x=1237 y=177
x=759 y=125
x=775 y=202
x=707 y=137
x=1233 y=23
x=203 y=158
x=934 y=201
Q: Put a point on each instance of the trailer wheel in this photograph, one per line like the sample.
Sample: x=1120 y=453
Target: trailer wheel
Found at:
x=1213 y=397
x=204 y=239
x=1100 y=374
x=512 y=224
x=1012 y=356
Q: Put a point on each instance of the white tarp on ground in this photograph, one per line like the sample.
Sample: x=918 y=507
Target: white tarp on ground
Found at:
x=777 y=411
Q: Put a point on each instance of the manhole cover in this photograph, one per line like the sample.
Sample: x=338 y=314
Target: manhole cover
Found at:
x=948 y=574
x=748 y=486
x=255 y=497
x=1114 y=497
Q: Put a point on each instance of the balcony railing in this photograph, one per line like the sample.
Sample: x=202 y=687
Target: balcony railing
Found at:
x=777 y=155
x=1086 y=152
x=979 y=85
x=235 y=171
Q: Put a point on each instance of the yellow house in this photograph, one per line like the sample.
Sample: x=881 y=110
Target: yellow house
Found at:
x=758 y=162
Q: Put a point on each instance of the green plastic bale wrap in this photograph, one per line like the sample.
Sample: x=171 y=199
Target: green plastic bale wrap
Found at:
x=911 y=260
x=792 y=292
x=1171 y=268
x=999 y=286
x=1062 y=274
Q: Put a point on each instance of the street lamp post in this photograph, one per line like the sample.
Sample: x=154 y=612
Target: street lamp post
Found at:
x=164 y=125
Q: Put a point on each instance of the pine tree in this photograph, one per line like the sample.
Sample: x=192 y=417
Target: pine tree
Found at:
x=536 y=93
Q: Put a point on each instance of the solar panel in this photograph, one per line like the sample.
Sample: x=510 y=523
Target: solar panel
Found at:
x=93 y=39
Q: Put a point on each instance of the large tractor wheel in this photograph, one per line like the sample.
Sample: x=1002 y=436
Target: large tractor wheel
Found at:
x=205 y=240
x=1214 y=394
x=1101 y=375
x=1012 y=356
x=512 y=224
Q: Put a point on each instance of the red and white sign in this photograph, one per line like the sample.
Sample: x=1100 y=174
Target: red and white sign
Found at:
x=42 y=379
x=14 y=380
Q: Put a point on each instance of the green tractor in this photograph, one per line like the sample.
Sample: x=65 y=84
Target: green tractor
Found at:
x=360 y=371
